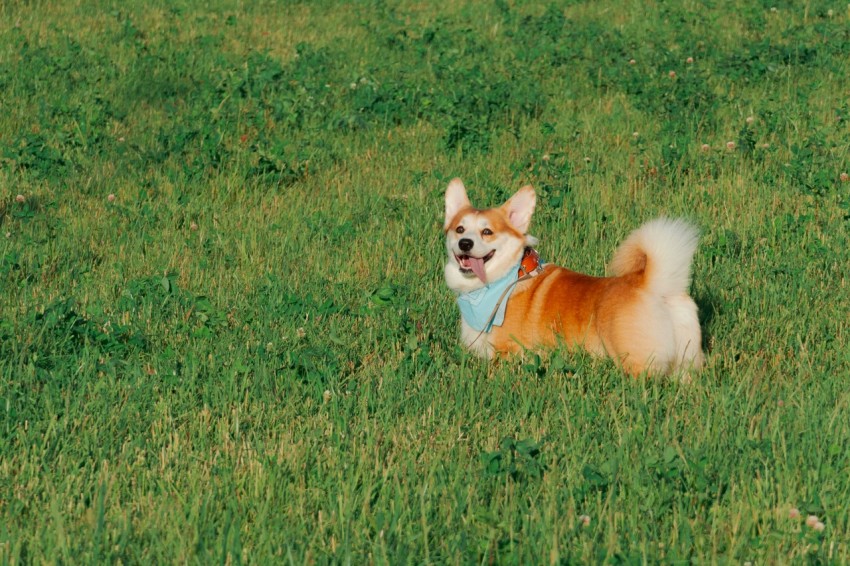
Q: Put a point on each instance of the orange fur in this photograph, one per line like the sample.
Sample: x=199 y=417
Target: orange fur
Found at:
x=578 y=309
x=642 y=316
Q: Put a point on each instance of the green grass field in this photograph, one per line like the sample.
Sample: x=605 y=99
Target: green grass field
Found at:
x=224 y=333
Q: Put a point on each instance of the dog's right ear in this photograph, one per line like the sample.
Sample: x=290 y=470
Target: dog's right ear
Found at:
x=456 y=200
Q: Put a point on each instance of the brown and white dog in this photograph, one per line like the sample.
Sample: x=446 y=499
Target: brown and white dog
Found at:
x=641 y=315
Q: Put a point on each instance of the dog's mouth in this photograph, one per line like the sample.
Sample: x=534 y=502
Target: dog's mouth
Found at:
x=469 y=264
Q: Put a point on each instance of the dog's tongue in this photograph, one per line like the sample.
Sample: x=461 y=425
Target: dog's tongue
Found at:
x=477 y=266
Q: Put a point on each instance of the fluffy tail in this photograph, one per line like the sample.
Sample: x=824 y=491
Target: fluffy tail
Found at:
x=663 y=249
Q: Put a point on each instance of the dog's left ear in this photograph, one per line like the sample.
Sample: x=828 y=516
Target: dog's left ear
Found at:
x=520 y=207
x=456 y=200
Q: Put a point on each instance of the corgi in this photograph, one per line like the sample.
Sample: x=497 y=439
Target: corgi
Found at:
x=641 y=315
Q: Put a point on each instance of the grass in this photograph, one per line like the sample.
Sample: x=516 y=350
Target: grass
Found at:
x=247 y=352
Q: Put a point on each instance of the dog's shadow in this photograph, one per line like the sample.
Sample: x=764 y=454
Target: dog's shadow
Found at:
x=709 y=306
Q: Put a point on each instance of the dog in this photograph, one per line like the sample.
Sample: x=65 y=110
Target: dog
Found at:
x=641 y=315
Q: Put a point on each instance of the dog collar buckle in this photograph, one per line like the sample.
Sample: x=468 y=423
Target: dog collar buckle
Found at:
x=530 y=262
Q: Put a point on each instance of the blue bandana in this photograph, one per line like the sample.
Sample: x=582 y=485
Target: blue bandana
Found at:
x=477 y=306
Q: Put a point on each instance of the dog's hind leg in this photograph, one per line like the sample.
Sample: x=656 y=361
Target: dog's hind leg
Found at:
x=683 y=311
x=641 y=335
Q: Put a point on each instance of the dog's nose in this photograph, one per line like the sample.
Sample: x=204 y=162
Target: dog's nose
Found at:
x=465 y=244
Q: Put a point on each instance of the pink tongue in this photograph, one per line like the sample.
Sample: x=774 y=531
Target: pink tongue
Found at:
x=477 y=266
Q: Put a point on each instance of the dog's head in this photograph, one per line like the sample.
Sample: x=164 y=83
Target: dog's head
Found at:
x=484 y=244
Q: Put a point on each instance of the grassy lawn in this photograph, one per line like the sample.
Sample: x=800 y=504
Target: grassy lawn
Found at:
x=224 y=332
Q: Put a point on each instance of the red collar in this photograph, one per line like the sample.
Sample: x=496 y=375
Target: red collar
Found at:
x=530 y=262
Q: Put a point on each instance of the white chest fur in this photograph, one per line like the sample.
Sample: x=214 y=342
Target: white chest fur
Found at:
x=478 y=342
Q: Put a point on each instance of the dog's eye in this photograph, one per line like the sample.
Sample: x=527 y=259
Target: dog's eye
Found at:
x=460 y=230
x=486 y=232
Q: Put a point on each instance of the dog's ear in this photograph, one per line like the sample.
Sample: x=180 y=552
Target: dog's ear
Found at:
x=456 y=200
x=520 y=207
